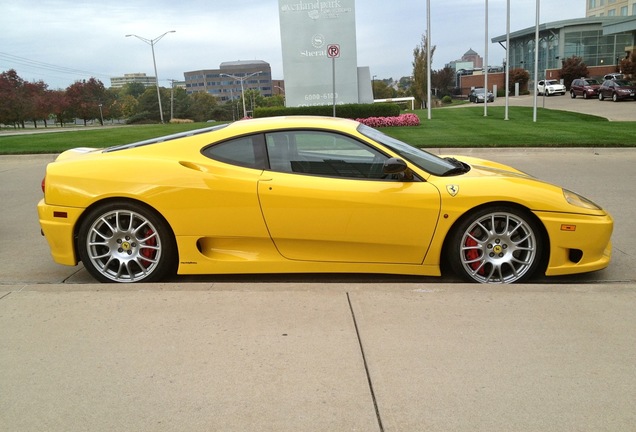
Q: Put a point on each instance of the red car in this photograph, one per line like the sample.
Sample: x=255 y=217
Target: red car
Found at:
x=585 y=87
x=617 y=90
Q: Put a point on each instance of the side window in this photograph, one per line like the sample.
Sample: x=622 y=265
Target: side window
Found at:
x=246 y=151
x=323 y=153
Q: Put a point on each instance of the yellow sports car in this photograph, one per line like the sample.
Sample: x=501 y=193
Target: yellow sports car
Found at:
x=309 y=195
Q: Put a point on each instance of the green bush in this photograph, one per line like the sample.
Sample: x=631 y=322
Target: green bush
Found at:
x=352 y=111
x=447 y=100
x=141 y=118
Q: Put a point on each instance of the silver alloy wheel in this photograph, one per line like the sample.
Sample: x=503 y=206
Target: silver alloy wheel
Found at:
x=498 y=247
x=123 y=246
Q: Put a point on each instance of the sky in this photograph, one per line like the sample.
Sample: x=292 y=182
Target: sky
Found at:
x=62 y=41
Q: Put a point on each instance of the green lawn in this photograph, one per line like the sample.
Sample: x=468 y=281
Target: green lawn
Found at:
x=467 y=127
x=456 y=127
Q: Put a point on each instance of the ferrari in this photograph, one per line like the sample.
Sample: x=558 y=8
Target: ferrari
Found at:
x=310 y=195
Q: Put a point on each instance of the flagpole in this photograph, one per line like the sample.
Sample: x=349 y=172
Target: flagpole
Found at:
x=507 y=58
x=428 y=56
x=486 y=65
x=536 y=63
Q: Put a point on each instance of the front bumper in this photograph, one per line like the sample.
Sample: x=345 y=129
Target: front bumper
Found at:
x=58 y=227
x=578 y=243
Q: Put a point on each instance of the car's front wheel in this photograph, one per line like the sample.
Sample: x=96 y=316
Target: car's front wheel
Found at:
x=126 y=242
x=573 y=95
x=496 y=245
x=600 y=96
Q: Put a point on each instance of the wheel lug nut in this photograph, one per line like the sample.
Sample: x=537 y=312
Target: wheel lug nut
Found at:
x=119 y=241
x=120 y=250
x=497 y=241
x=501 y=255
x=505 y=246
x=129 y=252
x=492 y=255
x=489 y=246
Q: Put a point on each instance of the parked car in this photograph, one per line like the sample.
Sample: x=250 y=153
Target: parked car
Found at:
x=550 y=87
x=476 y=95
x=586 y=87
x=616 y=90
x=614 y=76
x=304 y=194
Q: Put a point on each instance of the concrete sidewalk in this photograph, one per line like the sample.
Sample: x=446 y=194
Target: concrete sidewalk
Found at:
x=317 y=357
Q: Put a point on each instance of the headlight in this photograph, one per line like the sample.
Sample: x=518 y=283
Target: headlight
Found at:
x=579 y=201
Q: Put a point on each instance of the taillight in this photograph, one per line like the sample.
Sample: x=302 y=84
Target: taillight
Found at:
x=43 y=184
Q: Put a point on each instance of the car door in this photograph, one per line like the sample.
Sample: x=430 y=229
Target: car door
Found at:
x=326 y=198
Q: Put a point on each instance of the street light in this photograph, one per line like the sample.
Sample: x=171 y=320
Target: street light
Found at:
x=242 y=89
x=152 y=43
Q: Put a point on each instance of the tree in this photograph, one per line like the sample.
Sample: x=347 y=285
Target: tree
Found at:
x=10 y=83
x=134 y=89
x=518 y=75
x=202 y=107
x=60 y=106
x=86 y=97
x=573 y=68
x=148 y=107
x=443 y=80
x=628 y=65
x=420 y=72
x=37 y=102
x=382 y=89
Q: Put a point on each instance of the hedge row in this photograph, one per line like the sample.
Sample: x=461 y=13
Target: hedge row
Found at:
x=345 y=111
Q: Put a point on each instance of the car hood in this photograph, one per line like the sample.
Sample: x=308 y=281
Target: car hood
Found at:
x=487 y=168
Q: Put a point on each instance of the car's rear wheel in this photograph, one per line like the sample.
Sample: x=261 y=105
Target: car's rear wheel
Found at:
x=600 y=96
x=496 y=245
x=126 y=242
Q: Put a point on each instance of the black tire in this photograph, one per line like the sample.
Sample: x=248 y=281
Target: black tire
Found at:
x=615 y=97
x=585 y=95
x=573 y=95
x=600 y=96
x=126 y=242
x=496 y=245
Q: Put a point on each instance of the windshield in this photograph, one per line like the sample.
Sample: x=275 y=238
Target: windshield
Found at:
x=552 y=82
x=421 y=158
x=622 y=83
x=591 y=82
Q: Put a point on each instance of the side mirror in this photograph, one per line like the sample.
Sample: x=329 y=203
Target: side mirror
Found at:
x=394 y=166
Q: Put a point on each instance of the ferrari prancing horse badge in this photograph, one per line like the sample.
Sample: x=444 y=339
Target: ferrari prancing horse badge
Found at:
x=452 y=189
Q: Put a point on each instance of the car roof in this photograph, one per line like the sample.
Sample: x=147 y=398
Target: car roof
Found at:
x=247 y=126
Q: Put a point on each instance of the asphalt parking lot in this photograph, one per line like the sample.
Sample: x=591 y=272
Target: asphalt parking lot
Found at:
x=316 y=353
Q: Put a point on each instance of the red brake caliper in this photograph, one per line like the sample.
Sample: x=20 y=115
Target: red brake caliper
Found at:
x=473 y=254
x=147 y=252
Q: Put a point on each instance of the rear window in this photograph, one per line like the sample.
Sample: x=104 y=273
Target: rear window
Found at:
x=164 y=138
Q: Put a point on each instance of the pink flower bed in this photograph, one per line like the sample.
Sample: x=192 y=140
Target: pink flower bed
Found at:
x=401 y=120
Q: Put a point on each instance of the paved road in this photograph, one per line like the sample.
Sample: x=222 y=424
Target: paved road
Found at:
x=320 y=353
x=614 y=111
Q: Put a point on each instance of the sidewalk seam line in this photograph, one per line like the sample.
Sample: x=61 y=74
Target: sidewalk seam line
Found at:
x=366 y=366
